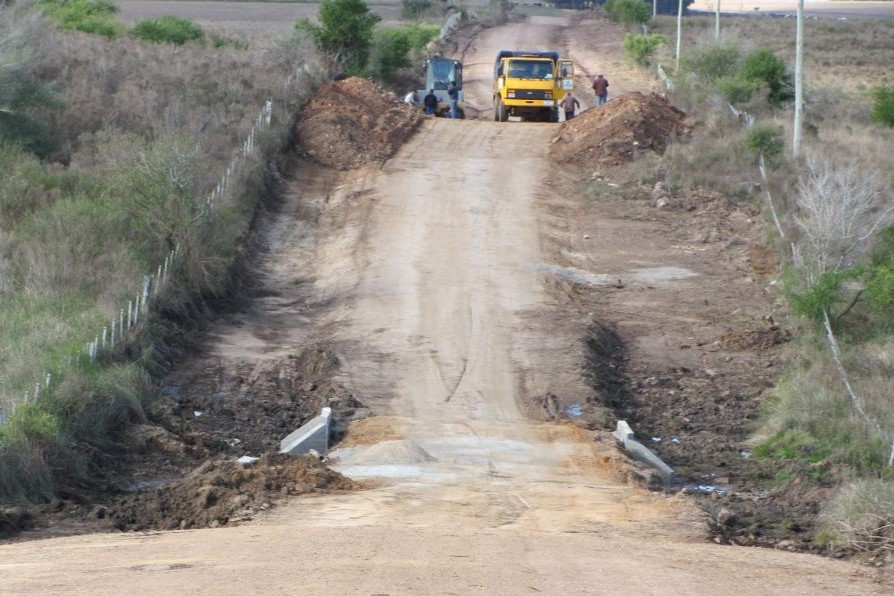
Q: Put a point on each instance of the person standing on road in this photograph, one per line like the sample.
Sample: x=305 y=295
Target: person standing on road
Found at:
x=600 y=86
x=430 y=102
x=453 y=95
x=569 y=103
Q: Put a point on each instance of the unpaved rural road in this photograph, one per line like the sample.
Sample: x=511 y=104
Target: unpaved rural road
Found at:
x=432 y=264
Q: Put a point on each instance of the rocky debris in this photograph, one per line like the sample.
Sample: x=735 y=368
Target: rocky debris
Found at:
x=351 y=123
x=616 y=132
x=224 y=492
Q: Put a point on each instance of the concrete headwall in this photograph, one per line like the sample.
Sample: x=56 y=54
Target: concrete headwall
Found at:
x=639 y=452
x=313 y=435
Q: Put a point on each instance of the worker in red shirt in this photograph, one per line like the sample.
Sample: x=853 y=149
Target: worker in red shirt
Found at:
x=600 y=86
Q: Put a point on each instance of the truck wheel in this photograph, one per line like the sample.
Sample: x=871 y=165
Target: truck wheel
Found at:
x=502 y=114
x=554 y=115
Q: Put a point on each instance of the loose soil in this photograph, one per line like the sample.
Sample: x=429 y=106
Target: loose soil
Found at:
x=225 y=492
x=352 y=122
x=619 y=130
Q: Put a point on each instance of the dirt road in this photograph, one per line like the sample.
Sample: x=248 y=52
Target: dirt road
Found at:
x=429 y=276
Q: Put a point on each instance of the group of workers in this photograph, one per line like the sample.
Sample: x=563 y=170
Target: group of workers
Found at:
x=430 y=101
x=569 y=103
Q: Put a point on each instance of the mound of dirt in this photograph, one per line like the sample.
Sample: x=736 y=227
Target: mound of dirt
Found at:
x=400 y=452
x=616 y=132
x=222 y=492
x=755 y=339
x=351 y=123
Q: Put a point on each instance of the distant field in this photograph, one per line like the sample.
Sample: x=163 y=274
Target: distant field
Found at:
x=275 y=18
x=813 y=8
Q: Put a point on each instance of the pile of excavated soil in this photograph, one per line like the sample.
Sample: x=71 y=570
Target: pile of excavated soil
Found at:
x=615 y=132
x=351 y=123
x=400 y=452
x=755 y=339
x=222 y=492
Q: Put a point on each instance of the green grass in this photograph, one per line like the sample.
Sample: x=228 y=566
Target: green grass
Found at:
x=80 y=227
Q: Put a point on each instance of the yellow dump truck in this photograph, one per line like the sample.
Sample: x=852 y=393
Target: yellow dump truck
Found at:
x=530 y=84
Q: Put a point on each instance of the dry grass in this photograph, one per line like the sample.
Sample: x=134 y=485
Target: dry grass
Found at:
x=144 y=133
x=860 y=517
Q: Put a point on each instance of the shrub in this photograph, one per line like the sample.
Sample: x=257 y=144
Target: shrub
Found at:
x=641 y=48
x=825 y=295
x=393 y=47
x=391 y=52
x=712 y=61
x=735 y=90
x=345 y=32
x=883 y=106
x=764 y=67
x=89 y=16
x=167 y=29
x=629 y=12
x=766 y=140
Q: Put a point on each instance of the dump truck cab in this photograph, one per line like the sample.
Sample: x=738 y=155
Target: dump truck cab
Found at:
x=530 y=84
x=439 y=74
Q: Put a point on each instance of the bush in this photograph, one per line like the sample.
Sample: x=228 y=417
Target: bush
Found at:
x=167 y=29
x=89 y=16
x=629 y=12
x=391 y=52
x=825 y=295
x=641 y=48
x=766 y=140
x=735 y=90
x=345 y=32
x=393 y=47
x=763 y=67
x=883 y=106
x=712 y=61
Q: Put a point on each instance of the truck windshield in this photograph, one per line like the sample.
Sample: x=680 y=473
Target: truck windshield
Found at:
x=530 y=69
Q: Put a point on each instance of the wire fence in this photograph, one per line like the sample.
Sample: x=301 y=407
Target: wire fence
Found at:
x=120 y=328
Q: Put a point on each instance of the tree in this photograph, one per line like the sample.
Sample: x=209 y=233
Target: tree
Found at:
x=345 y=32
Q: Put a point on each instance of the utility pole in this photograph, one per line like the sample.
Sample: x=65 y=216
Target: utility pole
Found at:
x=654 y=8
x=717 y=20
x=799 y=80
x=679 y=33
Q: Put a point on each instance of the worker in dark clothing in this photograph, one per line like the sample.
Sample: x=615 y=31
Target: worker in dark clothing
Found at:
x=569 y=103
x=453 y=95
x=600 y=87
x=430 y=102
